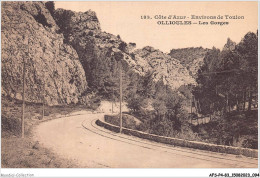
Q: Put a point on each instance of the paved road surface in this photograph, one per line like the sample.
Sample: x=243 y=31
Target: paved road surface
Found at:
x=79 y=138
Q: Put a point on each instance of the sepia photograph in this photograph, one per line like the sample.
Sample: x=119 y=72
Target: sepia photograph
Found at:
x=129 y=84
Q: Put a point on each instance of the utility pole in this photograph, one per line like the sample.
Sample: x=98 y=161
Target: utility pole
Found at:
x=43 y=102
x=43 y=96
x=23 y=97
x=113 y=101
x=23 y=106
x=121 y=91
x=191 y=109
x=24 y=71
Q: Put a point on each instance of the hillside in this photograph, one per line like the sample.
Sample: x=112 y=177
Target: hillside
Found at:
x=99 y=52
x=69 y=57
x=163 y=66
x=191 y=58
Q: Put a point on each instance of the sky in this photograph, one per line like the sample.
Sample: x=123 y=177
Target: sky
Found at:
x=124 y=19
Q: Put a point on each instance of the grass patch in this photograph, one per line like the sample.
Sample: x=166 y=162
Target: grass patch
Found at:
x=26 y=153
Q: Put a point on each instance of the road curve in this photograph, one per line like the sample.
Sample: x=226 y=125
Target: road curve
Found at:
x=78 y=138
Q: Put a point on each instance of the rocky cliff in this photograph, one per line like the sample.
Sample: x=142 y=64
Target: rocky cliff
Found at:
x=191 y=58
x=53 y=71
x=97 y=49
x=99 y=52
x=67 y=55
x=163 y=66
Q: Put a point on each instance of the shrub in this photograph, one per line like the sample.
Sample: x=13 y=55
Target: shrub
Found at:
x=128 y=121
x=12 y=125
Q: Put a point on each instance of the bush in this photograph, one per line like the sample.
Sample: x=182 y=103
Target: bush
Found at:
x=12 y=125
x=237 y=129
x=163 y=127
x=128 y=121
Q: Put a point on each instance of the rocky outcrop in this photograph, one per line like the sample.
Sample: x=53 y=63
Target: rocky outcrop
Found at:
x=229 y=46
x=99 y=50
x=163 y=66
x=30 y=35
x=191 y=58
x=65 y=53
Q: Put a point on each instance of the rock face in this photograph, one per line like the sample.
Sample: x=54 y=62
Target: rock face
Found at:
x=230 y=45
x=163 y=66
x=191 y=58
x=30 y=35
x=67 y=55
x=99 y=52
x=97 y=49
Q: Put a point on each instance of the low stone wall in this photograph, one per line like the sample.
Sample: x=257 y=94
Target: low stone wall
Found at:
x=181 y=142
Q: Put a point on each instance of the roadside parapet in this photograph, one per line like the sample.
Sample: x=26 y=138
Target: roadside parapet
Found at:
x=181 y=142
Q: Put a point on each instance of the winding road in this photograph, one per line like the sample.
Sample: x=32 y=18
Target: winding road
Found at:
x=78 y=138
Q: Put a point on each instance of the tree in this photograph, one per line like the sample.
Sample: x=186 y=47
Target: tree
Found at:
x=228 y=76
x=136 y=103
x=208 y=81
x=247 y=51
